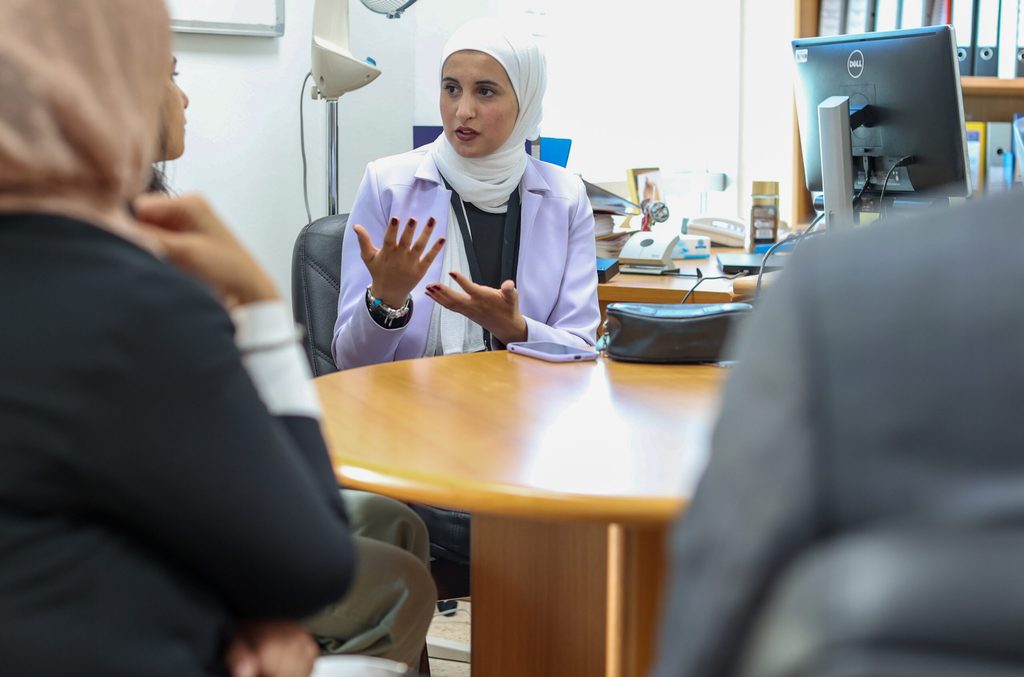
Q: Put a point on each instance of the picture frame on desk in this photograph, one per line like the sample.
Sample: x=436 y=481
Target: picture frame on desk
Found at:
x=644 y=184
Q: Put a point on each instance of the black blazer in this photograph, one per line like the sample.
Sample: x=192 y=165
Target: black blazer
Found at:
x=147 y=498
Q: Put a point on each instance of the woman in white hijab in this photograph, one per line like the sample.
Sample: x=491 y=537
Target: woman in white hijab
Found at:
x=506 y=248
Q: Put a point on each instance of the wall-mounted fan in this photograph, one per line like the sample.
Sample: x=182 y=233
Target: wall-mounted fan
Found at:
x=391 y=8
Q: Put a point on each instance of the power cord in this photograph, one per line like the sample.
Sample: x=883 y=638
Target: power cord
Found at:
x=902 y=162
x=302 y=146
x=764 y=260
x=792 y=238
x=814 y=224
x=865 y=163
x=810 y=229
x=701 y=278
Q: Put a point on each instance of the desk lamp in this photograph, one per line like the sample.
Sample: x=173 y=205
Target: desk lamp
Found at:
x=337 y=72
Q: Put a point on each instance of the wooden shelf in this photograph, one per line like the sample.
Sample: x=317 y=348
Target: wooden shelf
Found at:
x=992 y=99
x=975 y=86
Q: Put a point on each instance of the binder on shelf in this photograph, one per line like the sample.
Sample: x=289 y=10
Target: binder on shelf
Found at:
x=887 y=14
x=832 y=17
x=963 y=27
x=914 y=14
x=998 y=149
x=938 y=12
x=986 y=50
x=1008 y=27
x=860 y=16
x=976 y=132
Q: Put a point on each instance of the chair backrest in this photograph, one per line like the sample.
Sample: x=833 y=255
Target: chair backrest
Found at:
x=316 y=283
x=907 y=603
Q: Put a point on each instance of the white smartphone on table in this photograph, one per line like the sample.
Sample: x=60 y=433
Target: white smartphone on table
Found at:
x=551 y=352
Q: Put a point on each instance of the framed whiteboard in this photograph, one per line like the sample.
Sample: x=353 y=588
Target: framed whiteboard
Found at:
x=264 y=18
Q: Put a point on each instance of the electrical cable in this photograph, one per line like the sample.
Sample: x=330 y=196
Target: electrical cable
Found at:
x=796 y=239
x=814 y=224
x=701 y=278
x=902 y=162
x=792 y=238
x=302 y=146
x=810 y=228
x=866 y=165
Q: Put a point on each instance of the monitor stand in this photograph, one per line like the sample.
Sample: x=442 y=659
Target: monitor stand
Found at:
x=836 y=162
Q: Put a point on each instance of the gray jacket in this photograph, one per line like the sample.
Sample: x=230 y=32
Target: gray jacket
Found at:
x=881 y=381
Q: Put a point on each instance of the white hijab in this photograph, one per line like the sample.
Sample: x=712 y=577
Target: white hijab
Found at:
x=488 y=181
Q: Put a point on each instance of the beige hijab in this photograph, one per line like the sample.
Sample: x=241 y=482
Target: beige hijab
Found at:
x=81 y=90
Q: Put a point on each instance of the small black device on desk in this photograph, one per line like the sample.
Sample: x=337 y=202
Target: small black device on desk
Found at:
x=750 y=264
x=606 y=269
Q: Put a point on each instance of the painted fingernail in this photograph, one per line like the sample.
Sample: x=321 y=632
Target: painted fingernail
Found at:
x=393 y=222
x=442 y=240
x=431 y=222
x=452 y=274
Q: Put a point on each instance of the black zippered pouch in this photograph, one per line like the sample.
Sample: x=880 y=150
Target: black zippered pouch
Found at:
x=671 y=332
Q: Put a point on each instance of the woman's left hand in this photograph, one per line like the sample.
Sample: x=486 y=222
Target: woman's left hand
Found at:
x=496 y=310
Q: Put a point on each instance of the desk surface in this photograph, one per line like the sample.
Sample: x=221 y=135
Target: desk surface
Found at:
x=511 y=435
x=633 y=288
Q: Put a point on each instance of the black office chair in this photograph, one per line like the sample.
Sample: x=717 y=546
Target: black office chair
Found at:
x=316 y=283
x=923 y=603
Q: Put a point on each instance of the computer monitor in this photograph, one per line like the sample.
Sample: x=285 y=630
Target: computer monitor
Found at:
x=904 y=86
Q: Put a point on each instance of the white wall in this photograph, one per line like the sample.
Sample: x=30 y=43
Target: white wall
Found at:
x=243 y=124
x=656 y=85
x=766 y=129
x=435 y=21
x=663 y=83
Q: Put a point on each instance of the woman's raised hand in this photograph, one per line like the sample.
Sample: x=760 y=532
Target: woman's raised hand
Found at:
x=400 y=263
x=196 y=239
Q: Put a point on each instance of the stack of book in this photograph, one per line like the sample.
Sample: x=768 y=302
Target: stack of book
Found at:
x=612 y=215
x=611 y=232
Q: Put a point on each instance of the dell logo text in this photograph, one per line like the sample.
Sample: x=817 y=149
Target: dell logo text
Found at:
x=855 y=64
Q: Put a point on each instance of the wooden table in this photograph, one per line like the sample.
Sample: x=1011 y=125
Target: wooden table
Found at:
x=573 y=473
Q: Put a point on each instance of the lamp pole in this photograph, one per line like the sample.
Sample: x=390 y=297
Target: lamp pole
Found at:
x=332 y=157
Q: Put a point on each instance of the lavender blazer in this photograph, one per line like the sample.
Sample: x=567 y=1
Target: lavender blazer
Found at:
x=556 y=277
